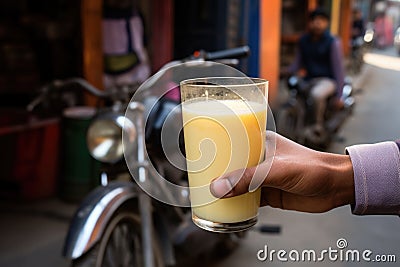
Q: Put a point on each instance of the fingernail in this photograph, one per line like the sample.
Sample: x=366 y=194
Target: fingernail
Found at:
x=220 y=187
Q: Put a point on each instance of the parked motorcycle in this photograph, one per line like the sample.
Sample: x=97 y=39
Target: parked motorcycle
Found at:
x=369 y=35
x=358 y=48
x=297 y=115
x=397 y=40
x=118 y=224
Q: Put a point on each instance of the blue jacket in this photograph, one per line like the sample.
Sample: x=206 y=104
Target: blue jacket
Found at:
x=316 y=55
x=322 y=58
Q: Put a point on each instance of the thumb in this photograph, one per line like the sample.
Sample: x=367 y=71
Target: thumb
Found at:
x=232 y=184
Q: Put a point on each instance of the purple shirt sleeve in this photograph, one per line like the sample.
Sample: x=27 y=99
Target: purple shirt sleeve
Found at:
x=337 y=66
x=376 y=178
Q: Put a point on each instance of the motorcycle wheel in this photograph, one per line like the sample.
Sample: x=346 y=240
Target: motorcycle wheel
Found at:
x=287 y=123
x=120 y=245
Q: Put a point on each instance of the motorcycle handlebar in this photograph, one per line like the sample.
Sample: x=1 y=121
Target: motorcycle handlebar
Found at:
x=84 y=84
x=237 y=52
x=228 y=56
x=59 y=84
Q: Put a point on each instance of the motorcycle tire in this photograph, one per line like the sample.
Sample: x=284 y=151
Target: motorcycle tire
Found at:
x=120 y=244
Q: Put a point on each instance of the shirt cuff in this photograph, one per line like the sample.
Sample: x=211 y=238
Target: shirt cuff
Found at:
x=376 y=178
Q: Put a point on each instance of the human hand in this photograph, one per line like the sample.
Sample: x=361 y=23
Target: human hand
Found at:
x=299 y=179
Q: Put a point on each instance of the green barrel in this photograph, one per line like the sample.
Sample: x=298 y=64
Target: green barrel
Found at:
x=80 y=173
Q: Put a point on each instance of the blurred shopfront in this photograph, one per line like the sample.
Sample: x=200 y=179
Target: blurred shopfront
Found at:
x=58 y=39
x=39 y=42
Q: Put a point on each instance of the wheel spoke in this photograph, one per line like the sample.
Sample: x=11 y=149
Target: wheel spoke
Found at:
x=124 y=247
x=126 y=251
x=137 y=249
x=113 y=249
x=109 y=258
x=117 y=236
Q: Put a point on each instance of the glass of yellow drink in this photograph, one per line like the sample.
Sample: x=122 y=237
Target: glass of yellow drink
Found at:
x=224 y=121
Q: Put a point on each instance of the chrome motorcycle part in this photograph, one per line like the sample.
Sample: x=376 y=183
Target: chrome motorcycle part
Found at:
x=104 y=137
x=90 y=220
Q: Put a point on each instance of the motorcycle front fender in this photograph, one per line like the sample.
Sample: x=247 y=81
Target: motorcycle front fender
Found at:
x=93 y=214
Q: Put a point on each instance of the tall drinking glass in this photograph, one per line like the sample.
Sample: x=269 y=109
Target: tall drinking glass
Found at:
x=224 y=122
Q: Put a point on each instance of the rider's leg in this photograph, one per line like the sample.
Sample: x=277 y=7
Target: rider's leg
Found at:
x=322 y=89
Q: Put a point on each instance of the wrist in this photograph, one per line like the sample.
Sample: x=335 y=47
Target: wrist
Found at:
x=341 y=178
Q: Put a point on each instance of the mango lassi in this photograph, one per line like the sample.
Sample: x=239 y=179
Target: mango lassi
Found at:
x=222 y=136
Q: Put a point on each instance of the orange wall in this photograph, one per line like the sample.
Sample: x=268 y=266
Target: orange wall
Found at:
x=270 y=34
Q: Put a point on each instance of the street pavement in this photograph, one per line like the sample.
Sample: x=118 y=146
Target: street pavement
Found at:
x=32 y=234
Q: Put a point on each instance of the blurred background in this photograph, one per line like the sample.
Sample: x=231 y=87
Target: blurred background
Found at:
x=46 y=169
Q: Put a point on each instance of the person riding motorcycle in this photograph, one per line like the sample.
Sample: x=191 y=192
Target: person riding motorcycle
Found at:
x=319 y=61
x=358 y=25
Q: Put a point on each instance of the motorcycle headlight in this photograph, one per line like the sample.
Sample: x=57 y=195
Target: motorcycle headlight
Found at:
x=104 y=137
x=368 y=36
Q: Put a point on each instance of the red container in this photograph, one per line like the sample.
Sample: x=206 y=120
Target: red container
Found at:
x=29 y=157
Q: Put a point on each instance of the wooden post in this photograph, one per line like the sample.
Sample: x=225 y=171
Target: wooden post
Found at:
x=92 y=49
x=162 y=33
x=335 y=17
x=341 y=17
x=270 y=34
x=345 y=26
